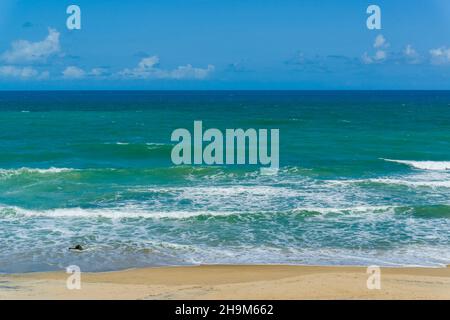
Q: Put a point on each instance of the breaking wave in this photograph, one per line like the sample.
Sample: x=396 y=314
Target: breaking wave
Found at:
x=424 y=165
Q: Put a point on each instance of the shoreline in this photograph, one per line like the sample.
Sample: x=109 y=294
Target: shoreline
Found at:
x=233 y=282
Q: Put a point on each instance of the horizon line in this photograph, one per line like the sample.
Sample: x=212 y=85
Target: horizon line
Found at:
x=223 y=90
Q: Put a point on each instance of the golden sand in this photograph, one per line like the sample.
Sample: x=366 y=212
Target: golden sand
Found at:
x=233 y=282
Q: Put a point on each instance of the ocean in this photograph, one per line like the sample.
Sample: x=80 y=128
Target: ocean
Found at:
x=364 y=179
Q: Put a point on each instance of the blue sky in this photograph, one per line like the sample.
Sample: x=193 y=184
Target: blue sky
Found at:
x=224 y=44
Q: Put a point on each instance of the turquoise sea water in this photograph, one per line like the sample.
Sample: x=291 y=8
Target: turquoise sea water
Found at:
x=364 y=179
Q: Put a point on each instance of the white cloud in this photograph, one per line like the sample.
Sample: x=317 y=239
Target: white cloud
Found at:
x=23 y=51
x=366 y=59
x=380 y=55
x=189 y=72
x=440 y=55
x=22 y=73
x=380 y=42
x=410 y=51
x=148 y=62
x=73 y=72
x=148 y=68
x=97 y=72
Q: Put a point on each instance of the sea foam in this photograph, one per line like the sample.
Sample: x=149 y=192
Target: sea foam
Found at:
x=9 y=172
x=424 y=165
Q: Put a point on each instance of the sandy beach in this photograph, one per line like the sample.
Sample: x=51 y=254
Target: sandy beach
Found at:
x=233 y=282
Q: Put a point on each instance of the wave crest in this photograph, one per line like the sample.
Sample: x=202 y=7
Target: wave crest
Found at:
x=424 y=165
x=24 y=170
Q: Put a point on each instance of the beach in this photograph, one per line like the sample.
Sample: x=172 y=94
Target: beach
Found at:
x=233 y=282
x=363 y=180
x=244 y=150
